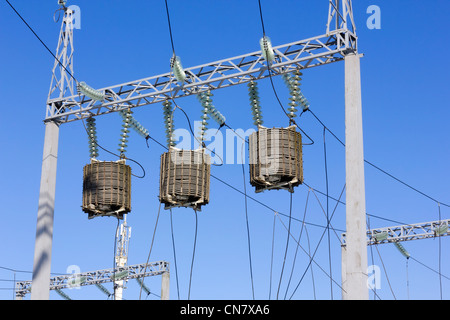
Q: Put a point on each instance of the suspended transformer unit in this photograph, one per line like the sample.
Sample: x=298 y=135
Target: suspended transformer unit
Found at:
x=106 y=188
x=184 y=178
x=275 y=157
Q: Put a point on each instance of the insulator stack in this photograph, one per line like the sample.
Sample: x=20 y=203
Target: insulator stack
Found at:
x=106 y=189
x=254 y=103
x=92 y=135
x=168 y=122
x=184 y=178
x=135 y=124
x=127 y=119
x=83 y=88
x=402 y=249
x=297 y=98
x=177 y=69
x=204 y=118
x=206 y=101
x=275 y=157
x=266 y=48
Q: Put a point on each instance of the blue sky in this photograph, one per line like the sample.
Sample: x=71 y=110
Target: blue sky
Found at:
x=405 y=121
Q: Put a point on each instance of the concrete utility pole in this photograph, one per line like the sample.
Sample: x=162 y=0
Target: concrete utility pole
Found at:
x=354 y=254
x=44 y=226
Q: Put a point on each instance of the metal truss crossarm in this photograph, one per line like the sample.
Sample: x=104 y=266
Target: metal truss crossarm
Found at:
x=406 y=232
x=302 y=54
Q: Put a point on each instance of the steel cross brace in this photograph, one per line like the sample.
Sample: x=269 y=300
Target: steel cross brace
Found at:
x=405 y=232
x=302 y=54
x=98 y=276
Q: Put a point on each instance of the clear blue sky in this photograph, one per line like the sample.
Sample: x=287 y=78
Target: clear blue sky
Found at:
x=405 y=121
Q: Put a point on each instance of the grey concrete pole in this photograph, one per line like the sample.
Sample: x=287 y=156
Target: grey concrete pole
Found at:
x=40 y=288
x=165 y=285
x=356 y=243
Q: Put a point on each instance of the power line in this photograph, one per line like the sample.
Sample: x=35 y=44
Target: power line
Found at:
x=42 y=42
x=378 y=168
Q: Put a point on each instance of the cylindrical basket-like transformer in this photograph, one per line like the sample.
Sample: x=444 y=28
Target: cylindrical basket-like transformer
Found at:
x=106 y=188
x=184 y=178
x=275 y=156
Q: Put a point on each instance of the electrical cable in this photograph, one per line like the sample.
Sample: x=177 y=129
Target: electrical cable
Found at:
x=439 y=259
x=296 y=249
x=327 y=198
x=174 y=254
x=151 y=246
x=193 y=254
x=378 y=168
x=170 y=27
x=287 y=242
x=271 y=257
x=42 y=42
x=317 y=247
x=114 y=260
x=248 y=229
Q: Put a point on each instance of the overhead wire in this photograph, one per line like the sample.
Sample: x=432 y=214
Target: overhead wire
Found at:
x=327 y=214
x=174 y=254
x=193 y=254
x=247 y=224
x=151 y=247
x=378 y=168
x=287 y=243
x=296 y=249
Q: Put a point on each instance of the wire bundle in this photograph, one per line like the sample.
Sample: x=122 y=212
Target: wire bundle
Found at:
x=168 y=122
x=254 y=103
x=92 y=135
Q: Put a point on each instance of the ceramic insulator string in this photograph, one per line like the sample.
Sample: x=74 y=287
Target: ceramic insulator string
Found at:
x=127 y=118
x=83 y=88
x=206 y=101
x=168 y=122
x=135 y=124
x=266 y=48
x=177 y=69
x=254 y=103
x=92 y=135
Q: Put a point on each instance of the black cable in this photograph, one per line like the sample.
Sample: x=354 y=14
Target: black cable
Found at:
x=151 y=247
x=170 y=28
x=378 y=168
x=287 y=243
x=317 y=247
x=327 y=198
x=42 y=42
x=174 y=254
x=296 y=249
x=439 y=239
x=193 y=254
x=114 y=260
x=271 y=257
x=248 y=231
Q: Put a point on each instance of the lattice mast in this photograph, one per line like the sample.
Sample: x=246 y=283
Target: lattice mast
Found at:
x=62 y=82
